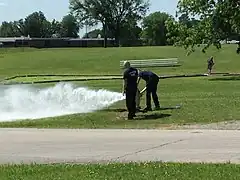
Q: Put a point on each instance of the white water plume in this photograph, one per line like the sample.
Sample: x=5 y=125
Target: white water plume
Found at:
x=24 y=102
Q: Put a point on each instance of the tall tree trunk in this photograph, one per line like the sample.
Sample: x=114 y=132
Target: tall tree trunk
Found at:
x=117 y=35
x=105 y=34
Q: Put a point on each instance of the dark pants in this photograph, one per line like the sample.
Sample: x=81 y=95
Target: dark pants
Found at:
x=131 y=102
x=210 y=66
x=152 y=90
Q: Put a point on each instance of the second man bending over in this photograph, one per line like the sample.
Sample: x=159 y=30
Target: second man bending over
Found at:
x=151 y=88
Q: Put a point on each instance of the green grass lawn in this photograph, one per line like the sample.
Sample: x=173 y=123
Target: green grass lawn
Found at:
x=106 y=61
x=203 y=100
x=131 y=171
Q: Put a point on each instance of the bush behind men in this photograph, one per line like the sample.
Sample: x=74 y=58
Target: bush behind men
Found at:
x=132 y=78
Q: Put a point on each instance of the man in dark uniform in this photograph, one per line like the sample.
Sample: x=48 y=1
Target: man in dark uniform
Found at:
x=130 y=77
x=151 y=88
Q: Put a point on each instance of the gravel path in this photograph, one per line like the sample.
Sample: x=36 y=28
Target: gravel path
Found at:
x=226 y=125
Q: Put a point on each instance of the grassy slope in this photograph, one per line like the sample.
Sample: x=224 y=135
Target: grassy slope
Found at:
x=195 y=94
x=106 y=61
x=146 y=171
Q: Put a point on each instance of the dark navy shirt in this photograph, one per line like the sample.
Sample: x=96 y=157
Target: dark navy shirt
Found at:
x=147 y=75
x=131 y=74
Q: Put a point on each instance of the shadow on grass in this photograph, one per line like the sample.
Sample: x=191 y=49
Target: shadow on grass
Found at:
x=114 y=110
x=233 y=78
x=125 y=110
x=151 y=116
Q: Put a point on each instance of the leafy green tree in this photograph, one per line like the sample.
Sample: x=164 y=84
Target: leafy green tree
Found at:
x=6 y=29
x=11 y=29
x=184 y=19
x=69 y=26
x=154 y=29
x=218 y=21
x=110 y=13
x=130 y=32
x=36 y=25
x=56 y=28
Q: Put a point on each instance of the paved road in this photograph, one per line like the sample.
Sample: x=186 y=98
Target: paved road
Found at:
x=51 y=146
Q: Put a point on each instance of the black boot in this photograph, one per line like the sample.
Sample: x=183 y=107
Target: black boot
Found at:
x=130 y=117
x=157 y=108
x=147 y=109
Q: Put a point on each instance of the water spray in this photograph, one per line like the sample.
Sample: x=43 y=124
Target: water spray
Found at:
x=20 y=102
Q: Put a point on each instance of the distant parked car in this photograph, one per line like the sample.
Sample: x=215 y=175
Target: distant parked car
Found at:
x=233 y=42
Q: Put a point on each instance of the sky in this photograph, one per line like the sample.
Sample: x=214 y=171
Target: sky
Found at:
x=11 y=10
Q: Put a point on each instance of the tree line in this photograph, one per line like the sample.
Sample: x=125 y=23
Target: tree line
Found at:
x=205 y=22
x=36 y=25
x=153 y=30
